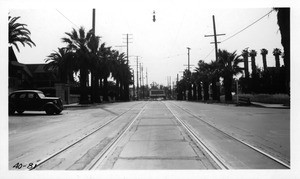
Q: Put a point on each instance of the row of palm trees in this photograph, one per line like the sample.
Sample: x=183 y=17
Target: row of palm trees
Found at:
x=266 y=80
x=225 y=68
x=84 y=54
x=206 y=74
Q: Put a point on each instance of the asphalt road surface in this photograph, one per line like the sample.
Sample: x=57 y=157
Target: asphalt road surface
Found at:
x=151 y=135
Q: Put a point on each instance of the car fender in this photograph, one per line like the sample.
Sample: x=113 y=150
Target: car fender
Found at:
x=49 y=104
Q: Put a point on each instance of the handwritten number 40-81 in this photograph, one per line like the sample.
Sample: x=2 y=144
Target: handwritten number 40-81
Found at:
x=30 y=166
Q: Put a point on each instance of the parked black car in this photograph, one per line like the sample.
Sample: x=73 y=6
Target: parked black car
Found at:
x=33 y=100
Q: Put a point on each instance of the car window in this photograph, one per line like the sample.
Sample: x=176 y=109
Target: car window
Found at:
x=22 y=96
x=31 y=95
x=13 y=96
x=41 y=95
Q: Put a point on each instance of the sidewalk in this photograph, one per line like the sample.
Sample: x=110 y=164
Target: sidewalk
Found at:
x=279 y=106
x=75 y=105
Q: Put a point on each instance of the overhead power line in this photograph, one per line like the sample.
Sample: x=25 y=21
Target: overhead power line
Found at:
x=210 y=52
x=174 y=55
x=248 y=26
x=67 y=19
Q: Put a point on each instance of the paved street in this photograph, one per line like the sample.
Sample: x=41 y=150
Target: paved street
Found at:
x=155 y=135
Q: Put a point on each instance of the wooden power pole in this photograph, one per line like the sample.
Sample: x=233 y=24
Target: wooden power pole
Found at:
x=215 y=37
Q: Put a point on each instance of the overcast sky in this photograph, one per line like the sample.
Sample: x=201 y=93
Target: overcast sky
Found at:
x=161 y=45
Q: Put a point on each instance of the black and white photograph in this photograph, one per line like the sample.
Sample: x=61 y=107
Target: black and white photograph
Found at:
x=149 y=89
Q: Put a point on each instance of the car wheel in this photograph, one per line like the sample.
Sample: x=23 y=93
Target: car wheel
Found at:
x=20 y=111
x=57 y=112
x=49 y=110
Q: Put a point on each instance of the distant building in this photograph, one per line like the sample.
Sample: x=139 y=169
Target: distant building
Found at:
x=28 y=76
x=156 y=93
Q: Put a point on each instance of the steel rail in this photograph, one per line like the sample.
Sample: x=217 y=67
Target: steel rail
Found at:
x=79 y=140
x=243 y=142
x=97 y=161
x=192 y=133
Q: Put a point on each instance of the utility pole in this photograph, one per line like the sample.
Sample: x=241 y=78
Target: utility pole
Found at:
x=147 y=92
x=137 y=77
x=133 y=83
x=143 y=84
x=126 y=85
x=188 y=65
x=216 y=84
x=215 y=37
x=94 y=17
x=188 y=58
x=146 y=76
x=127 y=45
x=141 y=75
x=93 y=29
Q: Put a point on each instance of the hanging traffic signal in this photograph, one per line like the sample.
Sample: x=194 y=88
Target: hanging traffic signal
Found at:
x=154 y=16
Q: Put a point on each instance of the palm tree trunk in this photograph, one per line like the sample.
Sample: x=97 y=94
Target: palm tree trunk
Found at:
x=101 y=87
x=118 y=89
x=199 y=91
x=194 y=92
x=228 y=88
x=189 y=92
x=93 y=96
x=215 y=89
x=264 y=62
x=105 y=90
x=277 y=61
x=95 y=89
x=253 y=65
x=126 y=91
x=83 y=87
x=246 y=65
x=206 y=89
x=121 y=91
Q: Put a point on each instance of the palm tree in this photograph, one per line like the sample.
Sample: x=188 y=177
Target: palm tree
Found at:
x=187 y=79
x=194 y=80
x=283 y=21
x=180 y=89
x=214 y=74
x=120 y=73
x=245 y=55
x=18 y=33
x=264 y=52
x=253 y=54
x=229 y=63
x=105 y=56
x=61 y=62
x=203 y=73
x=127 y=79
x=277 y=53
x=77 y=42
x=95 y=68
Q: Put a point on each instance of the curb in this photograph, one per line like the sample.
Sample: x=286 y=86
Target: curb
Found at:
x=270 y=106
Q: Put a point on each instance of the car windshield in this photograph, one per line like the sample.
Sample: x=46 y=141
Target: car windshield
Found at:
x=41 y=95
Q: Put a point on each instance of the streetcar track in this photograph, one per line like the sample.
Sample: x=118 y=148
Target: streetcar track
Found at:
x=94 y=164
x=215 y=158
x=99 y=161
x=228 y=135
x=41 y=162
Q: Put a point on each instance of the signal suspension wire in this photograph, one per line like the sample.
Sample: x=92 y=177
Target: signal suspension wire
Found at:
x=248 y=26
x=67 y=18
x=209 y=53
